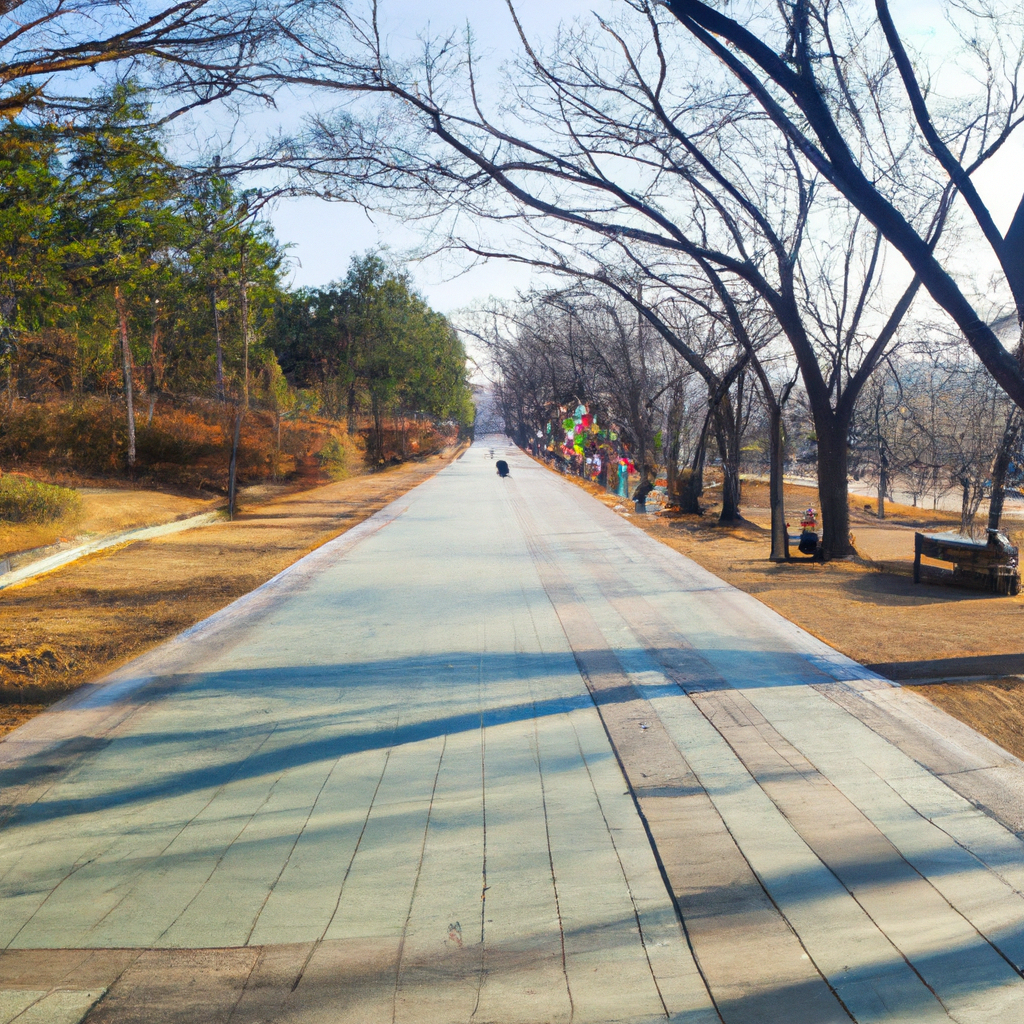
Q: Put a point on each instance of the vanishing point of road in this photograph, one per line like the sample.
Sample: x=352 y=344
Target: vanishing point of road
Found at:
x=495 y=755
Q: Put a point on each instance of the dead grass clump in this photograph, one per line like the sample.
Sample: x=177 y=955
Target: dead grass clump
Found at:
x=32 y=675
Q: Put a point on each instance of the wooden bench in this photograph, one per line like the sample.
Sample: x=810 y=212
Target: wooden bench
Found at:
x=987 y=565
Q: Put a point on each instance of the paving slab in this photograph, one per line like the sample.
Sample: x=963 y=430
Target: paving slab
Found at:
x=496 y=755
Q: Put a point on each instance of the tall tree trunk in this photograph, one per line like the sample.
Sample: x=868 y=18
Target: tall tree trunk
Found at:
x=243 y=313
x=126 y=371
x=233 y=463
x=378 y=428
x=220 y=345
x=833 y=487
x=966 y=517
x=1001 y=461
x=1000 y=466
x=672 y=427
x=242 y=407
x=883 y=482
x=692 y=484
x=776 y=491
x=352 y=409
x=726 y=434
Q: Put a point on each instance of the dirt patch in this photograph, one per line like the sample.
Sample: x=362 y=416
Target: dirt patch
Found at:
x=77 y=623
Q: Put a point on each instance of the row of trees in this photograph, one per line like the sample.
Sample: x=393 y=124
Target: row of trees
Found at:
x=784 y=173
x=116 y=261
x=928 y=424
x=371 y=335
x=797 y=179
x=123 y=272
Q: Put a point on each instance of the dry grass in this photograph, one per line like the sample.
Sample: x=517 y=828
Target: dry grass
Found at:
x=106 y=510
x=994 y=707
x=77 y=623
x=16 y=537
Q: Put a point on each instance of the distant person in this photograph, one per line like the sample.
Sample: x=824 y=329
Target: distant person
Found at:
x=502 y=468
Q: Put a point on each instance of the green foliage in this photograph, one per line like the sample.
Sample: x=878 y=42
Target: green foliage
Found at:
x=334 y=458
x=31 y=248
x=370 y=340
x=27 y=501
x=98 y=224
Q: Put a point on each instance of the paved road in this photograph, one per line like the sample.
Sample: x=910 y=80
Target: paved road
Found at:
x=497 y=756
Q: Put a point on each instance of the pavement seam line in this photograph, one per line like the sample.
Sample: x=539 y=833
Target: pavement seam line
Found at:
x=79 y=865
x=551 y=864
x=224 y=852
x=622 y=868
x=514 y=506
x=415 y=884
x=653 y=650
x=291 y=849
x=829 y=869
x=177 y=835
x=348 y=869
x=742 y=702
x=483 y=822
x=543 y=559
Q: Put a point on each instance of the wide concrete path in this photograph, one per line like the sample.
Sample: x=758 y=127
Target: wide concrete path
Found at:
x=495 y=755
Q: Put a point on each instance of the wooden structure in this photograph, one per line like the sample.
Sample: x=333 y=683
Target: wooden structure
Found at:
x=989 y=565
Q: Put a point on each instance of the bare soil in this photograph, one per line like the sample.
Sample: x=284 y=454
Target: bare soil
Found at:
x=961 y=649
x=79 y=622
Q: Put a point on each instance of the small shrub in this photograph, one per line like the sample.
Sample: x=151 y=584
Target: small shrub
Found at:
x=334 y=458
x=26 y=501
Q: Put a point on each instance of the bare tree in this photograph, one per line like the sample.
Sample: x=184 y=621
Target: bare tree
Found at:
x=194 y=51
x=805 y=65
x=619 y=137
x=559 y=348
x=934 y=418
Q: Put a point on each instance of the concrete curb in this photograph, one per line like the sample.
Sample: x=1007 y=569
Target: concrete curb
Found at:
x=42 y=566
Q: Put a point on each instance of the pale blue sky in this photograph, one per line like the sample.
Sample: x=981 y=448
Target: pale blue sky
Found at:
x=324 y=236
